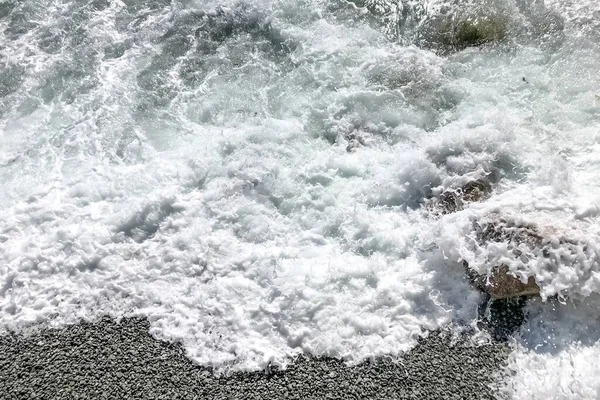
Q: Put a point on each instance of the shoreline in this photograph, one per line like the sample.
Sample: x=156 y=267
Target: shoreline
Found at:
x=121 y=360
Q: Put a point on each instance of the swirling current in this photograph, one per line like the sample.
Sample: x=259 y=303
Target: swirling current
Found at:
x=259 y=178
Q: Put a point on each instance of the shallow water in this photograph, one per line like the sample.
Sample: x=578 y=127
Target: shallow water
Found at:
x=250 y=175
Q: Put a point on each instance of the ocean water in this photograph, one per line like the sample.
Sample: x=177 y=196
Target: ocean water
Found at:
x=250 y=175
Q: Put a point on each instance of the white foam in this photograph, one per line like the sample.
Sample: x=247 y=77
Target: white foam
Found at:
x=254 y=202
x=556 y=352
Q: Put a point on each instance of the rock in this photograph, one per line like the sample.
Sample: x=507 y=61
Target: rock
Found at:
x=456 y=199
x=501 y=284
x=496 y=228
x=458 y=29
x=522 y=242
x=456 y=34
x=509 y=256
x=448 y=26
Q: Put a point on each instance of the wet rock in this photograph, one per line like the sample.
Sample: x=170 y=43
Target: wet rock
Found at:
x=496 y=228
x=522 y=241
x=502 y=284
x=451 y=26
x=510 y=255
x=456 y=199
x=456 y=32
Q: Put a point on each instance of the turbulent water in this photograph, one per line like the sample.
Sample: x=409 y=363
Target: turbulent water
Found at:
x=250 y=176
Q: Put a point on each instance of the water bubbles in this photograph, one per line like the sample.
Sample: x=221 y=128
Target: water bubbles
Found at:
x=229 y=168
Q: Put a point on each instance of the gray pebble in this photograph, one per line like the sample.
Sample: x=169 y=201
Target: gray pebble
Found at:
x=110 y=360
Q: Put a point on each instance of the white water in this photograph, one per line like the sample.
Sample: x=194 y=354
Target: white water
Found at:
x=203 y=180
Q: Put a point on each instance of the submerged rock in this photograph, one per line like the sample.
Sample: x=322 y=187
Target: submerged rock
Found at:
x=532 y=254
x=521 y=241
x=520 y=256
x=456 y=199
x=457 y=32
x=502 y=284
x=449 y=26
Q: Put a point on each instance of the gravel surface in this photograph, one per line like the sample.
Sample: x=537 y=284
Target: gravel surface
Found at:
x=110 y=360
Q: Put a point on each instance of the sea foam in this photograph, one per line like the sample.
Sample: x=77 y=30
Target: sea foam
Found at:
x=249 y=177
